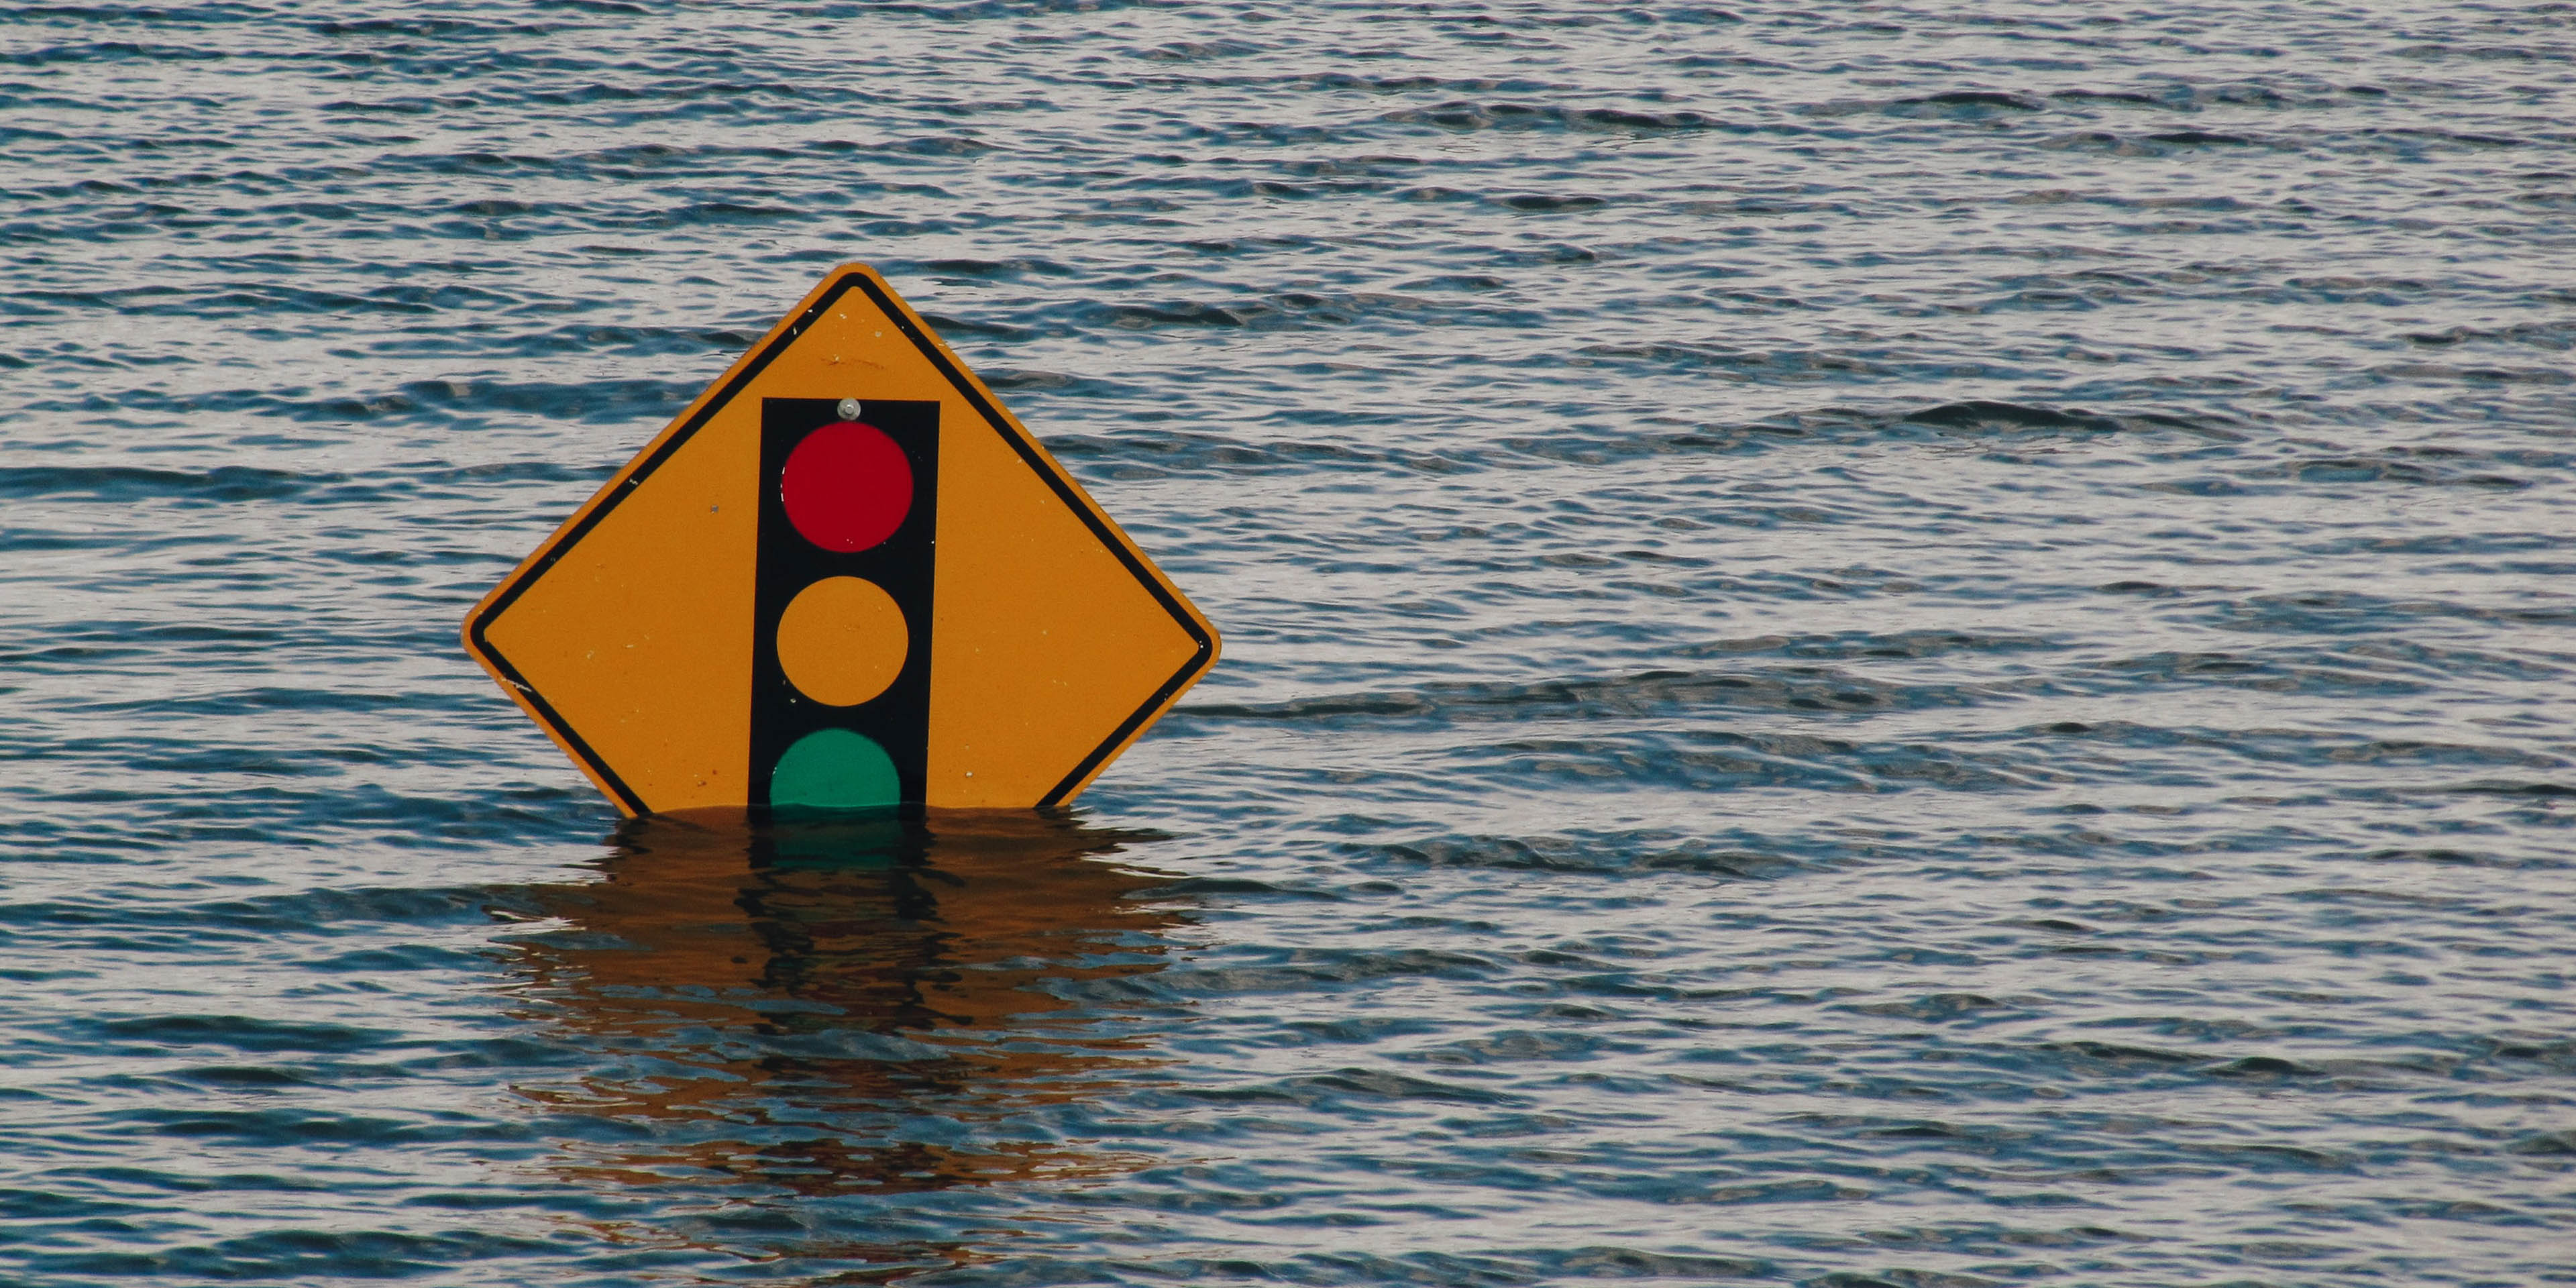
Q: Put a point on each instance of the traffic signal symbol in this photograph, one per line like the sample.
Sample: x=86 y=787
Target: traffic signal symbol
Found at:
x=842 y=602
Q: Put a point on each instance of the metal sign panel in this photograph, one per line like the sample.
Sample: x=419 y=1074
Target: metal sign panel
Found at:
x=844 y=577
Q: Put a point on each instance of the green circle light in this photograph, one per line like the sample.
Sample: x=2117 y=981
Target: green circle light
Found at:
x=835 y=769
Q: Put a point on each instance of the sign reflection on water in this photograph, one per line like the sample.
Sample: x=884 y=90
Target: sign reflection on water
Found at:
x=845 y=1007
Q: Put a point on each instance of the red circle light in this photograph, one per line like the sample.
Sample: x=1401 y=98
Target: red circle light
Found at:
x=846 y=487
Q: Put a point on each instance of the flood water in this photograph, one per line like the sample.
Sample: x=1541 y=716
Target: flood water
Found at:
x=1886 y=644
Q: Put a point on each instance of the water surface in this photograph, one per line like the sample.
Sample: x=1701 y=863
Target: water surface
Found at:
x=1865 y=645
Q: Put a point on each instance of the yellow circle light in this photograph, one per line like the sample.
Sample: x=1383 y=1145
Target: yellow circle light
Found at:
x=842 y=641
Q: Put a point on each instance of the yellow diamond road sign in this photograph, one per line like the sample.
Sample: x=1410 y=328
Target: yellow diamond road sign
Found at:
x=844 y=578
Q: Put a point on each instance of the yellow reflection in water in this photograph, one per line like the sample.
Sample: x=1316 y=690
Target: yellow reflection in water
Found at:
x=843 y=1008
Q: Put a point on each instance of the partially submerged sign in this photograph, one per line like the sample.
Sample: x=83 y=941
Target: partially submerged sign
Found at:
x=844 y=578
